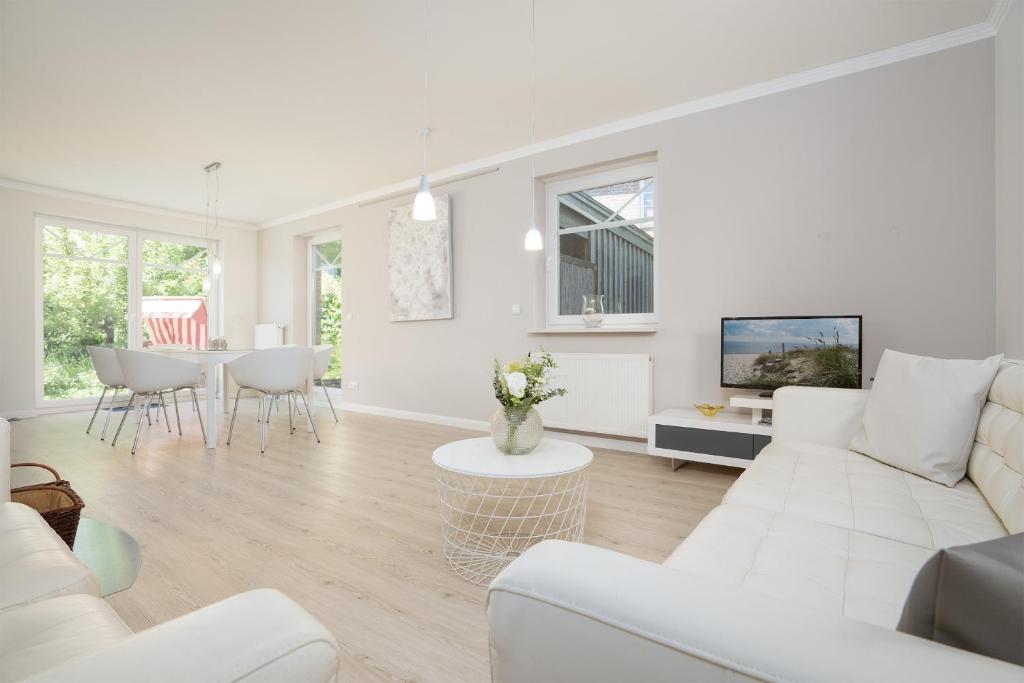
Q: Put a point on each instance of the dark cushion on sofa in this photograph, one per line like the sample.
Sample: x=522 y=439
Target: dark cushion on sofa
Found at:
x=972 y=597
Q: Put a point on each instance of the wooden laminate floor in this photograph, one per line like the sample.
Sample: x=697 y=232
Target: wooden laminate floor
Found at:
x=348 y=528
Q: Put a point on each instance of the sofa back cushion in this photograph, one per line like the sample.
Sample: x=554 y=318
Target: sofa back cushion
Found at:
x=996 y=465
x=922 y=413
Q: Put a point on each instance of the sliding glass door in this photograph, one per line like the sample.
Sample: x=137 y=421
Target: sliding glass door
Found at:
x=108 y=286
x=325 y=303
x=85 y=302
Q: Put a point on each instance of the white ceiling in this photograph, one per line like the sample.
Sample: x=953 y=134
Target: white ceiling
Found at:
x=309 y=101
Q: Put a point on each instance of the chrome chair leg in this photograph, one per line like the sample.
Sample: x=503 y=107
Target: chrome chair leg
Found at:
x=233 y=414
x=291 y=417
x=265 y=434
x=138 y=430
x=328 y=395
x=199 y=413
x=131 y=402
x=310 y=416
x=160 y=398
x=98 y=404
x=110 y=409
x=177 y=415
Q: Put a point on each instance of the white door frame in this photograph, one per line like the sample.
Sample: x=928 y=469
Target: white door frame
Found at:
x=330 y=235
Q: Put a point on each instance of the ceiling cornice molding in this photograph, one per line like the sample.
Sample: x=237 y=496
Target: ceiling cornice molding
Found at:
x=1000 y=8
x=117 y=203
x=892 y=55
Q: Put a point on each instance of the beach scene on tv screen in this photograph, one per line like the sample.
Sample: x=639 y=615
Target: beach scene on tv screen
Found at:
x=769 y=353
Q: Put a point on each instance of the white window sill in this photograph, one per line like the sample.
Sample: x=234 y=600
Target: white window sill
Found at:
x=604 y=329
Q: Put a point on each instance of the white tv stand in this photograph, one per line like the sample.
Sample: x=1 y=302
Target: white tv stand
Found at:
x=682 y=434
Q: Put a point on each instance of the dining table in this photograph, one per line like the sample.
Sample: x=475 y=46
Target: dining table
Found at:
x=211 y=359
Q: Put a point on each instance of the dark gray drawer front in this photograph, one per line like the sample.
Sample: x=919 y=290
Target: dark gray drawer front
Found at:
x=760 y=441
x=707 y=441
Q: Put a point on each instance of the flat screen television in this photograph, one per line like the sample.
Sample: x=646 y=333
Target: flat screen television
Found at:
x=812 y=350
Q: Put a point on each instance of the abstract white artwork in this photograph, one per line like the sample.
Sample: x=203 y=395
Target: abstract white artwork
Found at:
x=420 y=263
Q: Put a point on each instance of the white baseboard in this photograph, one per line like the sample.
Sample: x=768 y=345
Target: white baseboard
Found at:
x=460 y=422
x=608 y=443
x=18 y=414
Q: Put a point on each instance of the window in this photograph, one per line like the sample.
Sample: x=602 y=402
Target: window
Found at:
x=603 y=227
x=85 y=303
x=325 y=303
x=174 y=300
x=109 y=286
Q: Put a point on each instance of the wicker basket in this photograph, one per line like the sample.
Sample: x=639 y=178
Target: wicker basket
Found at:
x=55 y=501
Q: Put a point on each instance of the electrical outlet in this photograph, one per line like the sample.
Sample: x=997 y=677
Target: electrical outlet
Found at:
x=516 y=309
x=354 y=384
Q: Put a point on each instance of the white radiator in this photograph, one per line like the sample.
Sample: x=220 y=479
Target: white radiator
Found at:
x=268 y=336
x=608 y=393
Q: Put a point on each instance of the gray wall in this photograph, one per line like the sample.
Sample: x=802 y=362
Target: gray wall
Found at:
x=872 y=194
x=1009 y=136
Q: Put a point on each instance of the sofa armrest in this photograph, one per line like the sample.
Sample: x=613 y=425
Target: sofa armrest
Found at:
x=572 y=612
x=256 y=636
x=828 y=417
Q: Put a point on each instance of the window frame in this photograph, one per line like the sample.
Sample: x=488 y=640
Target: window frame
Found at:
x=552 y=246
x=135 y=264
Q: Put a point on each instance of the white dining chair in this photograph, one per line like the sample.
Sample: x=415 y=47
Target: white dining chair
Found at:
x=148 y=375
x=181 y=347
x=321 y=361
x=104 y=361
x=274 y=372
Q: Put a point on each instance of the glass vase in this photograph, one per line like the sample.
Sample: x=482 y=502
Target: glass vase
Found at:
x=516 y=430
x=593 y=310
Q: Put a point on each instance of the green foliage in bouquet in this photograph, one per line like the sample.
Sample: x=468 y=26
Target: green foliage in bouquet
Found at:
x=524 y=382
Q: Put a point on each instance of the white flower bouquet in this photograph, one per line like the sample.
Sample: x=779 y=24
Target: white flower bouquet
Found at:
x=518 y=385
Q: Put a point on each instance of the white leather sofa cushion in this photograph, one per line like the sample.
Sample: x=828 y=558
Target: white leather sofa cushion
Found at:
x=35 y=563
x=922 y=413
x=802 y=562
x=853 y=491
x=997 y=461
x=39 y=636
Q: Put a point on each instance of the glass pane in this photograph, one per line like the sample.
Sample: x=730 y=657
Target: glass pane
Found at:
x=327 y=305
x=175 y=309
x=84 y=243
x=327 y=254
x=632 y=200
x=156 y=253
x=84 y=303
x=616 y=262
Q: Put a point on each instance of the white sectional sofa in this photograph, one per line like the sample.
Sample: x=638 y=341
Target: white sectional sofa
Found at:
x=800 y=575
x=55 y=628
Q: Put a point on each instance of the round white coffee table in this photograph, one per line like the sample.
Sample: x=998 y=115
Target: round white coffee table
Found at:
x=494 y=506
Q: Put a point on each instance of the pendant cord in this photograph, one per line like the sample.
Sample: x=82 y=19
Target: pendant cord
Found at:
x=216 y=201
x=424 y=130
x=533 y=111
x=206 y=220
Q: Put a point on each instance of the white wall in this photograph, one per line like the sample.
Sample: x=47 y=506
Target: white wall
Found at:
x=1009 y=136
x=872 y=194
x=19 y=270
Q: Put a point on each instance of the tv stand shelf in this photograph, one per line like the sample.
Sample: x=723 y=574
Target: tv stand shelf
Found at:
x=757 y=404
x=725 y=439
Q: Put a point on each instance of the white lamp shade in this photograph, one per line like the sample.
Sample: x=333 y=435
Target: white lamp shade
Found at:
x=534 y=240
x=423 y=208
x=215 y=266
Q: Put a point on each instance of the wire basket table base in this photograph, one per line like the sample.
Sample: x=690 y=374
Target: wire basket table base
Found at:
x=487 y=522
